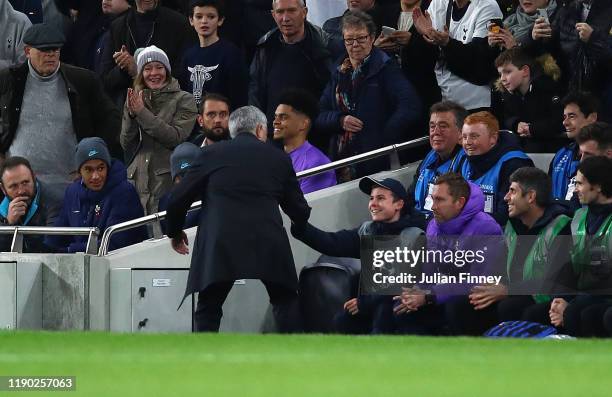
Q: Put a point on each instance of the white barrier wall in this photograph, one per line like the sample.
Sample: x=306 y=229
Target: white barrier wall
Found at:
x=139 y=288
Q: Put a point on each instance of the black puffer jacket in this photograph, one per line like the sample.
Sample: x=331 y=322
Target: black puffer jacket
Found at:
x=585 y=66
x=540 y=107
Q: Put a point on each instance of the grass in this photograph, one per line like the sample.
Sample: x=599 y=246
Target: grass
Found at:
x=308 y=365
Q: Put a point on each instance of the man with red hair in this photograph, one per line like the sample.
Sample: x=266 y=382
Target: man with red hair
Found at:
x=492 y=156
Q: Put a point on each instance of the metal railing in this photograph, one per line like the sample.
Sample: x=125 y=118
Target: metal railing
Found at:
x=19 y=231
x=392 y=151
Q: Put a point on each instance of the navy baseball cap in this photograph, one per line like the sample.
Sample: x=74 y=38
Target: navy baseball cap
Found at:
x=367 y=184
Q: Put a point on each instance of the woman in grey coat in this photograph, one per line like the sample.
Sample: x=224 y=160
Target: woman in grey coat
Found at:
x=157 y=117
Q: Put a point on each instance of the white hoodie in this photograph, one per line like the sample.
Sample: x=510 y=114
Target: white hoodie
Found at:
x=13 y=25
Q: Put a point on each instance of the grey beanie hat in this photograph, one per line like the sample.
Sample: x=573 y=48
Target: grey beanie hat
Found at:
x=93 y=148
x=183 y=157
x=151 y=54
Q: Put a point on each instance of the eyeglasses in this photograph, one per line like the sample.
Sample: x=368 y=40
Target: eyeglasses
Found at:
x=352 y=40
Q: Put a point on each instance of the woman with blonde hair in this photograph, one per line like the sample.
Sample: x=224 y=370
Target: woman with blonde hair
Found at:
x=157 y=117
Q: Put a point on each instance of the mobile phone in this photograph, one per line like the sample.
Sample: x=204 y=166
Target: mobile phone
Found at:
x=387 y=31
x=543 y=14
x=495 y=25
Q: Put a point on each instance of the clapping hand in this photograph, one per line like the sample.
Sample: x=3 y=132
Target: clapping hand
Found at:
x=135 y=103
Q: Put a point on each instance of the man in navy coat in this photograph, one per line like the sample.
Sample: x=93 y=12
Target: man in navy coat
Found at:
x=241 y=183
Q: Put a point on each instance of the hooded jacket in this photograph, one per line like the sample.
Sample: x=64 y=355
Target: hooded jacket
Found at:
x=478 y=165
x=117 y=202
x=150 y=137
x=471 y=221
x=13 y=25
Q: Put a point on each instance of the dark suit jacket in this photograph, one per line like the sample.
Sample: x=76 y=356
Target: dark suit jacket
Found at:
x=241 y=184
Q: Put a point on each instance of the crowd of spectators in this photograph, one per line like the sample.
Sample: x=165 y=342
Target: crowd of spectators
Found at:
x=125 y=83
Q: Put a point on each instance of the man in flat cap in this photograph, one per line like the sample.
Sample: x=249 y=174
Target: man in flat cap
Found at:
x=48 y=107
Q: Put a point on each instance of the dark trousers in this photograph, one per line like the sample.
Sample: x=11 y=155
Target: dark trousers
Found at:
x=375 y=317
x=464 y=320
x=537 y=313
x=427 y=320
x=607 y=320
x=584 y=316
x=284 y=302
x=455 y=316
x=513 y=307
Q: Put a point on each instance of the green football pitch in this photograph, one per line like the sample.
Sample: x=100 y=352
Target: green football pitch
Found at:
x=308 y=365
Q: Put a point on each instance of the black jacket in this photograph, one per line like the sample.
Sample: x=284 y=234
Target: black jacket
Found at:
x=241 y=182
x=81 y=39
x=315 y=53
x=171 y=33
x=346 y=243
x=482 y=163
x=540 y=107
x=585 y=66
x=418 y=64
x=93 y=113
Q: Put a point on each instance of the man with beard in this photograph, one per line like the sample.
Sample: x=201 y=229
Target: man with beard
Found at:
x=213 y=120
x=27 y=202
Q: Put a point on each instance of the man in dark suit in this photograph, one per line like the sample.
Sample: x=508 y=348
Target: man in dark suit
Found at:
x=241 y=183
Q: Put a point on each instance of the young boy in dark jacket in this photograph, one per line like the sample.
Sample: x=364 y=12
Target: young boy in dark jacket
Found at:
x=528 y=103
x=100 y=198
x=392 y=214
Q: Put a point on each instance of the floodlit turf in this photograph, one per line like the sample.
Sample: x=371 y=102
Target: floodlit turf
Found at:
x=310 y=365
